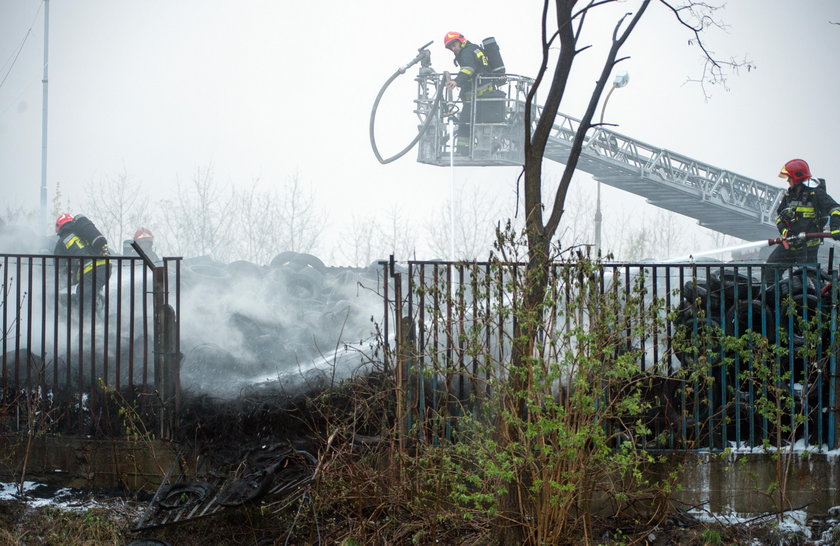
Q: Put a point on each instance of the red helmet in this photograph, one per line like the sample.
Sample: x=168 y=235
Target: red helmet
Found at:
x=143 y=233
x=451 y=37
x=63 y=219
x=796 y=169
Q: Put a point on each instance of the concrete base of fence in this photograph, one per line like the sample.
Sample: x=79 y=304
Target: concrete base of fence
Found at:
x=84 y=463
x=734 y=483
x=739 y=483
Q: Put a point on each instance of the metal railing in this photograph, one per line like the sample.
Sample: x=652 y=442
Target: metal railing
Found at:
x=496 y=123
x=72 y=351
x=719 y=343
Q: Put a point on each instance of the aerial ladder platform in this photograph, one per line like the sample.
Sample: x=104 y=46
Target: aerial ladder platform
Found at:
x=718 y=199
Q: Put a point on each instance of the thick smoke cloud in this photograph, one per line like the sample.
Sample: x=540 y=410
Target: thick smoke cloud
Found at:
x=292 y=323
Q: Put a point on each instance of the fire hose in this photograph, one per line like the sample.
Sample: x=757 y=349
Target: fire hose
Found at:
x=802 y=237
x=423 y=57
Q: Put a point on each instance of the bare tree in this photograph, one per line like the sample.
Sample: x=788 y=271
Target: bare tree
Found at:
x=577 y=224
x=468 y=223
x=118 y=206
x=360 y=241
x=397 y=234
x=570 y=16
x=257 y=220
x=301 y=223
x=568 y=26
x=639 y=236
x=198 y=219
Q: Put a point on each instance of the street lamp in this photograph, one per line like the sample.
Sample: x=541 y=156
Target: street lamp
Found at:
x=621 y=79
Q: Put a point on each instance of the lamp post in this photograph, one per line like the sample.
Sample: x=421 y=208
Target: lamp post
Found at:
x=621 y=79
x=42 y=228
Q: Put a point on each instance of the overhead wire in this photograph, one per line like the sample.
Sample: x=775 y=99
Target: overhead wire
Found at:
x=22 y=43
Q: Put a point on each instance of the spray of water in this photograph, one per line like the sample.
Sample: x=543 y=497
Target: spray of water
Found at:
x=706 y=253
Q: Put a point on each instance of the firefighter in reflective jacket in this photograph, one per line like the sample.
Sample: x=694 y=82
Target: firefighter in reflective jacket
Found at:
x=80 y=237
x=472 y=62
x=805 y=208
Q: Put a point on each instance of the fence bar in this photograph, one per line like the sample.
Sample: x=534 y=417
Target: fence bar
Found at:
x=58 y=321
x=709 y=300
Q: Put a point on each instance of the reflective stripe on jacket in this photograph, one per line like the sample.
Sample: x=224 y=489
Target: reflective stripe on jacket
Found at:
x=805 y=210
x=472 y=61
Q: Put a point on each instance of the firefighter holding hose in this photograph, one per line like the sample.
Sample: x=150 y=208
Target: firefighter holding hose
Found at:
x=805 y=208
x=472 y=62
x=78 y=237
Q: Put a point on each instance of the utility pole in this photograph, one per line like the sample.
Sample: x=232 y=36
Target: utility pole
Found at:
x=45 y=82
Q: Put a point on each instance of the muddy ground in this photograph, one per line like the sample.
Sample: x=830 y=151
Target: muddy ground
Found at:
x=65 y=517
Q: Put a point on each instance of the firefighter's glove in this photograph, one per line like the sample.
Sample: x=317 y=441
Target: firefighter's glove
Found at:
x=835 y=234
x=104 y=251
x=786 y=215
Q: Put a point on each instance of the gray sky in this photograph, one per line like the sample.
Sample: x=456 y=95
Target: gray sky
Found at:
x=264 y=89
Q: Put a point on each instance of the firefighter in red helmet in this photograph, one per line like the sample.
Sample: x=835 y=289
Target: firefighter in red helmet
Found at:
x=85 y=248
x=146 y=240
x=805 y=208
x=472 y=62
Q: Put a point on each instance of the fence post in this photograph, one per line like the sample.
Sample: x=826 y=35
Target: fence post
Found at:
x=398 y=337
x=166 y=354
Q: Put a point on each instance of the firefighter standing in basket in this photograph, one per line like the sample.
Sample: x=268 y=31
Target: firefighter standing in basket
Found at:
x=472 y=62
x=77 y=237
x=804 y=209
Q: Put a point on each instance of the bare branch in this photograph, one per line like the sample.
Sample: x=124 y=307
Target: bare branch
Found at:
x=619 y=37
x=698 y=17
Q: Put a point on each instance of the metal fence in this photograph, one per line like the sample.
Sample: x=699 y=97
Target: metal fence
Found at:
x=79 y=357
x=735 y=355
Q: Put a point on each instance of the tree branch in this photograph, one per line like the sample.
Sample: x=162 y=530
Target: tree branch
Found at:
x=713 y=69
x=586 y=121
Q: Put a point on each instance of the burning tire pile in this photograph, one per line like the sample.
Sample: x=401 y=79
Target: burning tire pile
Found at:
x=774 y=306
x=245 y=323
x=790 y=307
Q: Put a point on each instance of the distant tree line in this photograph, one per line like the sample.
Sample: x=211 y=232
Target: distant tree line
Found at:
x=204 y=217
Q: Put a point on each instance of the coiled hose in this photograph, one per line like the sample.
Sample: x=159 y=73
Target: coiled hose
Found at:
x=435 y=105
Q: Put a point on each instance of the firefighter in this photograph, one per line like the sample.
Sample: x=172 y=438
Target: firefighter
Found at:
x=472 y=62
x=79 y=237
x=146 y=240
x=805 y=208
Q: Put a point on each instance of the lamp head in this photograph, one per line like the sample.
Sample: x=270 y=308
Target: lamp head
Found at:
x=621 y=79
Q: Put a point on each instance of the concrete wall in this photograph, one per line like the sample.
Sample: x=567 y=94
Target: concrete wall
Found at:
x=83 y=463
x=738 y=482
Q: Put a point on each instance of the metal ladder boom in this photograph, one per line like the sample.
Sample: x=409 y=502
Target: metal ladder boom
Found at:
x=718 y=199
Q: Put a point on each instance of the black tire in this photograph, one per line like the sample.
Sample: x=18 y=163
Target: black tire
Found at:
x=749 y=317
x=308 y=260
x=248 y=488
x=305 y=284
x=182 y=495
x=282 y=259
x=202 y=274
x=244 y=269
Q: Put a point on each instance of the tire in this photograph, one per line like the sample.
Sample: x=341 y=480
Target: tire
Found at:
x=182 y=495
x=302 y=286
x=245 y=269
x=749 y=316
x=308 y=260
x=202 y=274
x=282 y=259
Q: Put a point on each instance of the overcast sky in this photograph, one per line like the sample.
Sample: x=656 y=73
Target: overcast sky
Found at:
x=264 y=89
